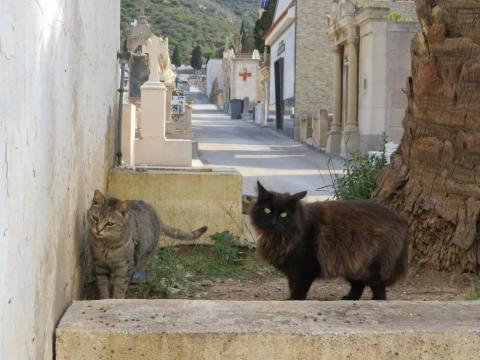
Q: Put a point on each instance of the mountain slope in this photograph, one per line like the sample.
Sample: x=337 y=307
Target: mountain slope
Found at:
x=193 y=22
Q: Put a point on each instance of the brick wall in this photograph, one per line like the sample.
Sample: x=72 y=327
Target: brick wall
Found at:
x=314 y=78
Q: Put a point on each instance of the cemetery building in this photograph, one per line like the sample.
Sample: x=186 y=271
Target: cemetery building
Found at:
x=241 y=77
x=215 y=81
x=370 y=69
x=300 y=64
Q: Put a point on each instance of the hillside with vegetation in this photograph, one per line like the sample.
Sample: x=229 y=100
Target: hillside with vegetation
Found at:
x=188 y=23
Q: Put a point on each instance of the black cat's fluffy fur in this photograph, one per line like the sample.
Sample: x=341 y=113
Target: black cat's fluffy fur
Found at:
x=361 y=241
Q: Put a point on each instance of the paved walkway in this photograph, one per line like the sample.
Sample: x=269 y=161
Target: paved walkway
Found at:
x=280 y=163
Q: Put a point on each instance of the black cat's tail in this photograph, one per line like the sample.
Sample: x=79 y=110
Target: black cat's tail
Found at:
x=180 y=234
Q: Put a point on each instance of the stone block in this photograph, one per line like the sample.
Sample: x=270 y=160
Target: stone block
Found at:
x=187 y=199
x=269 y=330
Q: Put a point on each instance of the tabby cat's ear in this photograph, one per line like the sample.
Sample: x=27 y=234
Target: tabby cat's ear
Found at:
x=124 y=207
x=98 y=198
x=298 y=196
x=262 y=192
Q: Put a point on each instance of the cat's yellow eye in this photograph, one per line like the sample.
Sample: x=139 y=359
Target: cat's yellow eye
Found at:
x=284 y=215
x=110 y=224
x=268 y=211
x=94 y=218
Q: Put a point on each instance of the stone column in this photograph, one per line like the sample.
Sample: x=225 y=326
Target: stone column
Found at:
x=335 y=135
x=128 y=134
x=153 y=148
x=350 y=136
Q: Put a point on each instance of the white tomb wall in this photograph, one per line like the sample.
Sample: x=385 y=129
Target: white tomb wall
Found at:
x=249 y=88
x=288 y=38
x=214 y=71
x=372 y=84
x=58 y=106
x=400 y=36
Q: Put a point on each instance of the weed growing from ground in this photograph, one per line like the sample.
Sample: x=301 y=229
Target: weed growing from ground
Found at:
x=359 y=178
x=164 y=273
x=225 y=247
x=475 y=293
x=225 y=258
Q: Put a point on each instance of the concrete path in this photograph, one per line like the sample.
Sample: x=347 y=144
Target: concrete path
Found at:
x=280 y=163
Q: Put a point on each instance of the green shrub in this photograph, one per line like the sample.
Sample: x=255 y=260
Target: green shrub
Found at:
x=475 y=293
x=359 y=177
x=164 y=273
x=394 y=16
x=225 y=247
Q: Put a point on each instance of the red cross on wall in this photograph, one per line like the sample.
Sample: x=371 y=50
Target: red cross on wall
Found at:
x=245 y=74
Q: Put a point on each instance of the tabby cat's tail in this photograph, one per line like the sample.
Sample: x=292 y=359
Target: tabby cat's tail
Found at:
x=180 y=234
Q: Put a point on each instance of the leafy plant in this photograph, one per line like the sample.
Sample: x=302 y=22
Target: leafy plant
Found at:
x=225 y=248
x=223 y=259
x=396 y=16
x=475 y=293
x=164 y=273
x=359 y=178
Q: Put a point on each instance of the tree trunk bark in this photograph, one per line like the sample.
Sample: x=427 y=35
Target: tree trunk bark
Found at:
x=434 y=178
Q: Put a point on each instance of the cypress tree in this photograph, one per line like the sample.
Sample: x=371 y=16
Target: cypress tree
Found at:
x=263 y=24
x=196 y=60
x=176 y=60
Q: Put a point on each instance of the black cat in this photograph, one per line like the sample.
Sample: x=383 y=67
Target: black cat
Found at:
x=362 y=241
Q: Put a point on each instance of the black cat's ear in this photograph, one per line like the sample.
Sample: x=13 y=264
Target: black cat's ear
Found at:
x=262 y=192
x=298 y=196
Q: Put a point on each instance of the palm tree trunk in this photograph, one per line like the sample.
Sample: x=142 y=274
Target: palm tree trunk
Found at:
x=434 y=178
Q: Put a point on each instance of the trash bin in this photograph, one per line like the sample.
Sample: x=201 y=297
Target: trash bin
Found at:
x=236 y=109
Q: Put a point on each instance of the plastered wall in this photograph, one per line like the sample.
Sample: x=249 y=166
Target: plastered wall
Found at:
x=59 y=76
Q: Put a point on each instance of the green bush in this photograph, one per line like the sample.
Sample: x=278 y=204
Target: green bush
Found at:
x=164 y=273
x=359 y=177
x=475 y=293
x=225 y=247
x=394 y=16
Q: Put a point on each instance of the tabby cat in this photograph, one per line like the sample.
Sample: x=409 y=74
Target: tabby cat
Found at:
x=124 y=236
x=361 y=241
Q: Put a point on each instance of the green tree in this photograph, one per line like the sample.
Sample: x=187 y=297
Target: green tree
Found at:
x=244 y=36
x=243 y=27
x=263 y=24
x=176 y=60
x=196 y=60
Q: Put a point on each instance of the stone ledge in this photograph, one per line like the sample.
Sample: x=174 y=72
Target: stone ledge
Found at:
x=183 y=329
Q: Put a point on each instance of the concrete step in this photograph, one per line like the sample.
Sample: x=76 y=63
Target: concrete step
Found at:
x=191 y=330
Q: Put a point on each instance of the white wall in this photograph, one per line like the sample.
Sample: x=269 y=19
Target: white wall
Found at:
x=214 y=71
x=282 y=5
x=289 y=64
x=241 y=89
x=372 y=81
x=400 y=37
x=57 y=99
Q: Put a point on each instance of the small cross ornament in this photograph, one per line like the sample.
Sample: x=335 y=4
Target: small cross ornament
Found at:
x=245 y=75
